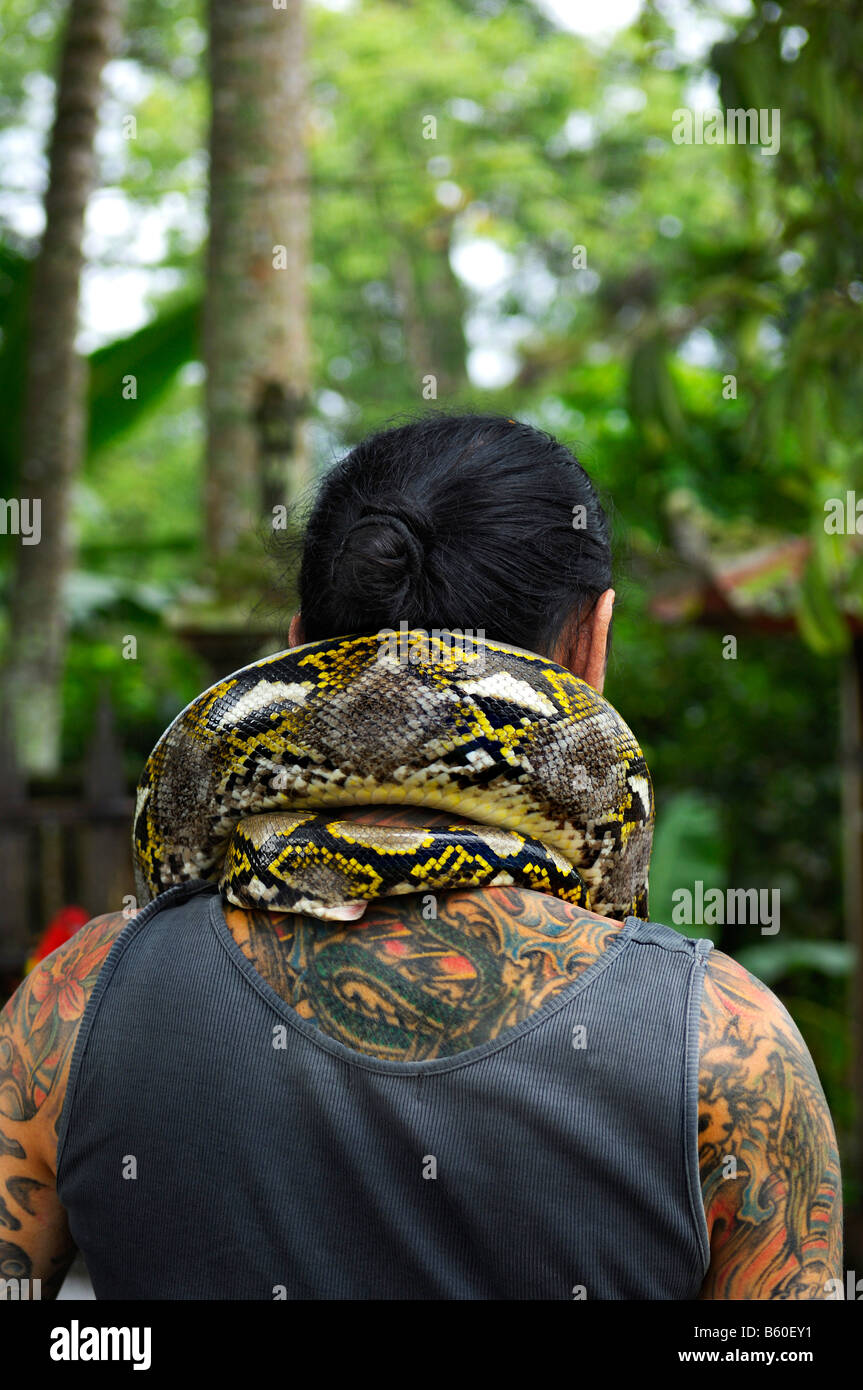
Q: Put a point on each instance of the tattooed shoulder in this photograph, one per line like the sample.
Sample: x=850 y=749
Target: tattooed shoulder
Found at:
x=38 y=1028
x=767 y=1149
x=40 y=1022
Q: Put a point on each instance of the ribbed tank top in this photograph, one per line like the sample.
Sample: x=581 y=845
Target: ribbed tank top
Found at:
x=214 y=1144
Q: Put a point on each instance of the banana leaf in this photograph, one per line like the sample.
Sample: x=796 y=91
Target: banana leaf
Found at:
x=152 y=355
x=15 y=272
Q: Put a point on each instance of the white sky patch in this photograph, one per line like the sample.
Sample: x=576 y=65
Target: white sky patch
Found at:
x=23 y=161
x=537 y=287
x=792 y=40
x=700 y=349
x=124 y=242
x=695 y=33
x=126 y=85
x=492 y=273
x=790 y=262
x=449 y=195
x=734 y=9
x=590 y=19
x=623 y=99
x=114 y=301
x=492 y=368
x=24 y=165
x=702 y=92
x=114 y=222
x=127 y=82
x=193 y=374
x=465 y=109
x=771 y=342
x=482 y=263
x=493 y=337
x=579 y=131
x=334 y=406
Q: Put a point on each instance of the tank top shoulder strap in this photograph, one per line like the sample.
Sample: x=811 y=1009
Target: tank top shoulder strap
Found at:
x=697 y=950
x=656 y=934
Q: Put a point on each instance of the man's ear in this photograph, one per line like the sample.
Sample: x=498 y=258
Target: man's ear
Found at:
x=597 y=655
x=586 y=656
x=296 y=636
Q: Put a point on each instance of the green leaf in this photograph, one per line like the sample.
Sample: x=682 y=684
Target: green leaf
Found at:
x=652 y=394
x=821 y=623
x=15 y=273
x=152 y=356
x=688 y=846
x=773 y=960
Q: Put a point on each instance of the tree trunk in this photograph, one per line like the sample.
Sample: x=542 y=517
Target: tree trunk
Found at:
x=54 y=412
x=255 y=325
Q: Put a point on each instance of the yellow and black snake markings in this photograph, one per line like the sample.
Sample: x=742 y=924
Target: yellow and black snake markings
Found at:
x=302 y=861
x=490 y=733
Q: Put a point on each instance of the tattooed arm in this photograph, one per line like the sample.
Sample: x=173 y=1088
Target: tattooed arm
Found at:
x=38 y=1028
x=769 y=1165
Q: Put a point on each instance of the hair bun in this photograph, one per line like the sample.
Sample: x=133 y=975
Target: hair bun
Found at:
x=381 y=556
x=415 y=519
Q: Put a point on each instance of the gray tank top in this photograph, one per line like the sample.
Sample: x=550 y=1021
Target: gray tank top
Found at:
x=213 y=1144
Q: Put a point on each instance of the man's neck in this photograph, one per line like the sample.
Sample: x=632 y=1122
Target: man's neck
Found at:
x=423 y=974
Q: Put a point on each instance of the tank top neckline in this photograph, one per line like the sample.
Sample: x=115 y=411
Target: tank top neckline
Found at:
x=426 y=1067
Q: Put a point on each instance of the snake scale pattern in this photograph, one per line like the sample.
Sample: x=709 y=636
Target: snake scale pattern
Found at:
x=244 y=786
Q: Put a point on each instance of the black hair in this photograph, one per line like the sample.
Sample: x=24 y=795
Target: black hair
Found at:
x=468 y=521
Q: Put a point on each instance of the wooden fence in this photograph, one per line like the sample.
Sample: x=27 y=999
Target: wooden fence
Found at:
x=63 y=845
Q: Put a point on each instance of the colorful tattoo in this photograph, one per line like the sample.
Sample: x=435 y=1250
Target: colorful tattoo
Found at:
x=39 y=1024
x=769 y=1162
x=403 y=986
x=38 y=1028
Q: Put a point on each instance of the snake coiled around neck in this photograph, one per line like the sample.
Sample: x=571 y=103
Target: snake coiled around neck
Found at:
x=245 y=785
